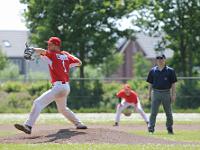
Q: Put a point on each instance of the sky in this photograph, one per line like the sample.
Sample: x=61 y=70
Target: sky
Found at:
x=11 y=16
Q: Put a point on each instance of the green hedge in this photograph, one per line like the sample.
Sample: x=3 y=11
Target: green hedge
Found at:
x=87 y=96
x=90 y=96
x=18 y=96
x=11 y=86
x=188 y=95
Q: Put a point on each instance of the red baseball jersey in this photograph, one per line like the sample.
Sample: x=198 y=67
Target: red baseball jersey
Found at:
x=132 y=98
x=60 y=63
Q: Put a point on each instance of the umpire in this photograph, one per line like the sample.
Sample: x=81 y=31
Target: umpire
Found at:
x=162 y=90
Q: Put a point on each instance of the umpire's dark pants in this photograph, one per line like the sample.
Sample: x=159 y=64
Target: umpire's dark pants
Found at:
x=158 y=97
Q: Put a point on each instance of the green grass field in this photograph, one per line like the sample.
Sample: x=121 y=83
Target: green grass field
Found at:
x=95 y=147
x=180 y=135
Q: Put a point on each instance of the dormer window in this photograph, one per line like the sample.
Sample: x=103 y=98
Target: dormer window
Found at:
x=6 y=43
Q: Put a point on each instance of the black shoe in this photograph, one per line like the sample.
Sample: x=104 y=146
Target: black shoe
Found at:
x=25 y=128
x=170 y=130
x=151 y=130
x=116 y=124
x=81 y=126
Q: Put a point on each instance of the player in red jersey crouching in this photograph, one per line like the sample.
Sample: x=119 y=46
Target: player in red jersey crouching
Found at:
x=128 y=98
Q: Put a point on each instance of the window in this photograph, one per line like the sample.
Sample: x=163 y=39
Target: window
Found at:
x=6 y=43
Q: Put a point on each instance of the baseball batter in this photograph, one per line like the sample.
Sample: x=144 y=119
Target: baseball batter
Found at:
x=59 y=63
x=129 y=98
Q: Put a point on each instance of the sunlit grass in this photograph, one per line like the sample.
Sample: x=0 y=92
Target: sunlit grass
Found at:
x=86 y=118
x=180 y=135
x=96 y=147
x=57 y=118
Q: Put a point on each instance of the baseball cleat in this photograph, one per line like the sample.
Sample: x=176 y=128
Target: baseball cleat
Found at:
x=81 y=126
x=151 y=130
x=25 y=128
x=116 y=124
x=170 y=130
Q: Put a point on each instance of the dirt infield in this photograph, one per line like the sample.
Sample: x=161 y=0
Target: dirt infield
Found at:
x=94 y=134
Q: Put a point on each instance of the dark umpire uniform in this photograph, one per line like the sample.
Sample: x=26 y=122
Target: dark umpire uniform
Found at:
x=161 y=82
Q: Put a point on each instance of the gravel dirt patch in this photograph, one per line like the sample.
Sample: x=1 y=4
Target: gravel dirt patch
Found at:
x=94 y=134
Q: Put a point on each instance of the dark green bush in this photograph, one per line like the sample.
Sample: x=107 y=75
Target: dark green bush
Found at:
x=95 y=110
x=12 y=86
x=19 y=100
x=85 y=94
x=141 y=87
x=39 y=87
x=188 y=95
x=91 y=96
x=110 y=90
x=16 y=102
x=110 y=100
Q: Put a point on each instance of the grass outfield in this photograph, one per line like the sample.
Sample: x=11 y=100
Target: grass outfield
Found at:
x=181 y=135
x=95 y=147
x=95 y=118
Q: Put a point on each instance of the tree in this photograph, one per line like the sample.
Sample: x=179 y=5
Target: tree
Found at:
x=111 y=64
x=179 y=21
x=3 y=60
x=86 y=27
x=141 y=65
x=8 y=70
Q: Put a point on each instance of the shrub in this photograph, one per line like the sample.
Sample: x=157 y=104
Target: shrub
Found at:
x=19 y=100
x=188 y=95
x=3 y=60
x=86 y=95
x=39 y=87
x=141 y=87
x=12 y=86
x=3 y=96
x=110 y=89
x=16 y=102
x=109 y=97
x=10 y=72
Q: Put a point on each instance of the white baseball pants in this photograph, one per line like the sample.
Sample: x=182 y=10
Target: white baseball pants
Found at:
x=59 y=93
x=137 y=107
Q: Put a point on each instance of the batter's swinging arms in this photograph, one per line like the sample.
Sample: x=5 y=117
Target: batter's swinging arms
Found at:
x=59 y=63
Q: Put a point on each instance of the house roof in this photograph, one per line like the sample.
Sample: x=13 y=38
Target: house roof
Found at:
x=12 y=42
x=148 y=43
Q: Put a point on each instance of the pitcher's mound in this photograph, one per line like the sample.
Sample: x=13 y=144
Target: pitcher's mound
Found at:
x=109 y=135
